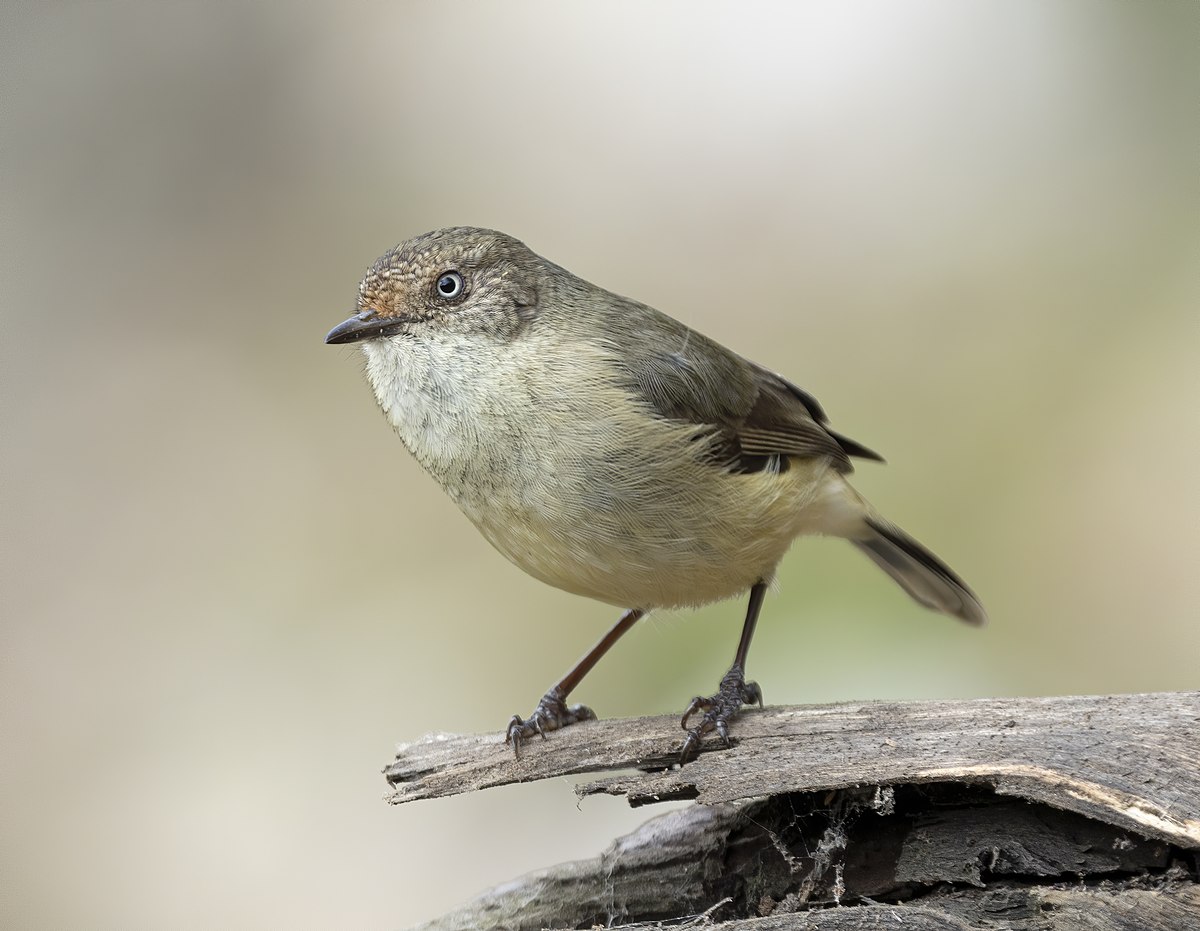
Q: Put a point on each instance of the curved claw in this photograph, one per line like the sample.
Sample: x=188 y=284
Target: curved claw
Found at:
x=690 y=748
x=719 y=710
x=696 y=704
x=550 y=714
x=519 y=729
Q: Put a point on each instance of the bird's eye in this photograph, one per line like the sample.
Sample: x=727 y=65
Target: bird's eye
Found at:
x=449 y=286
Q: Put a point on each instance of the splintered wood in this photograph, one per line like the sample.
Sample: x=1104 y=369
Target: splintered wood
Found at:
x=1030 y=813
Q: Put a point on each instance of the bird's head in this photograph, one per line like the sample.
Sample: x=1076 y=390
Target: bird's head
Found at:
x=457 y=280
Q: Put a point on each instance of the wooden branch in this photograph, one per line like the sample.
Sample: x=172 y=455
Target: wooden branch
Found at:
x=1134 y=759
x=1038 y=813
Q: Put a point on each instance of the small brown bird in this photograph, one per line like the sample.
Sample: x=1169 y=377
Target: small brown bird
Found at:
x=611 y=451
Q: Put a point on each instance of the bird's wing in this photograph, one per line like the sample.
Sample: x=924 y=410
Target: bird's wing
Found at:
x=787 y=420
x=685 y=376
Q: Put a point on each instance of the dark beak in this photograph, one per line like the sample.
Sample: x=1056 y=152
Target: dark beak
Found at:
x=367 y=325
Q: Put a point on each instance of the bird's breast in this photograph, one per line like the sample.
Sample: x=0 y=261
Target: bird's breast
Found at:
x=575 y=482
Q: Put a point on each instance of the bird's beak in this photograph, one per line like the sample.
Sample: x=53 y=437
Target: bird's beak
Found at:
x=367 y=325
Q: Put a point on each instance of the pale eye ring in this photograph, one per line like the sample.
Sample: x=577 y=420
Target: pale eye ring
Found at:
x=449 y=286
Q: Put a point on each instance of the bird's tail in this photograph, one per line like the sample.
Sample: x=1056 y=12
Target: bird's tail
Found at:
x=925 y=577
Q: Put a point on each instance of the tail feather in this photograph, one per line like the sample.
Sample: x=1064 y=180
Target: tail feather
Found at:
x=925 y=577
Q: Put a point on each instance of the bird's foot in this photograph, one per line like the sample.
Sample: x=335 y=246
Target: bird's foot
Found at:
x=550 y=714
x=719 y=710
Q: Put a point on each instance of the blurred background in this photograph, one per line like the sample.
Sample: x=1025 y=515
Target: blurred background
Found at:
x=971 y=230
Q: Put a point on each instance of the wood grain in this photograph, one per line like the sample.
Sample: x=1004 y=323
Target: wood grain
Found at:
x=1028 y=813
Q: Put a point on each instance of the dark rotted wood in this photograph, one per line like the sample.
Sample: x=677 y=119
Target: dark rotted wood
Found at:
x=860 y=859
x=1054 y=814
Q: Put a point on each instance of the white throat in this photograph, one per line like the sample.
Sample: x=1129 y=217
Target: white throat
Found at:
x=425 y=390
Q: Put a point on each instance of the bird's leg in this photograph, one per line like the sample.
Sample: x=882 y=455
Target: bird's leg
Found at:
x=733 y=692
x=552 y=712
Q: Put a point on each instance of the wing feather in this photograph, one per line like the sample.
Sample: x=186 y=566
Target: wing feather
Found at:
x=759 y=417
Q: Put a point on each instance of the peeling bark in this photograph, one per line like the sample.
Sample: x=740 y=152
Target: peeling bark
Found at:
x=1031 y=814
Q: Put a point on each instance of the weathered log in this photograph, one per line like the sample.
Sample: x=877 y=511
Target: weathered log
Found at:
x=1043 y=813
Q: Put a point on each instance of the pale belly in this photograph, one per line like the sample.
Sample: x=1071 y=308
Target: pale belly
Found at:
x=705 y=536
x=584 y=490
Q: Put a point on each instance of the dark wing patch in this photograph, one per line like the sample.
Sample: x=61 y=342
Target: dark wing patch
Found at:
x=759 y=418
x=781 y=423
x=774 y=383
x=854 y=448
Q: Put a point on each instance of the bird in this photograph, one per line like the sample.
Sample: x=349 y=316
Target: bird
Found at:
x=611 y=451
